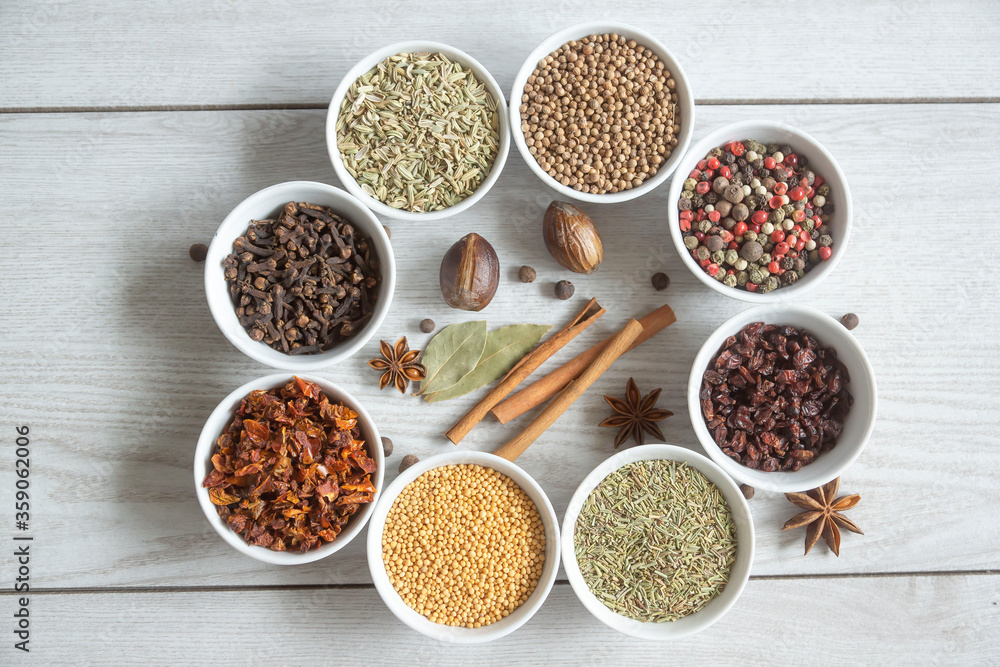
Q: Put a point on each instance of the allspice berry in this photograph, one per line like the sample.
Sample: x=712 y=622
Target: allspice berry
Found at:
x=198 y=252
x=850 y=320
x=747 y=490
x=661 y=281
x=470 y=273
x=388 y=232
x=407 y=461
x=527 y=274
x=426 y=325
x=751 y=251
x=564 y=289
x=387 y=447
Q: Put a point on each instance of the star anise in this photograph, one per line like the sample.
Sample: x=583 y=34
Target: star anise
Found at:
x=399 y=365
x=823 y=515
x=635 y=416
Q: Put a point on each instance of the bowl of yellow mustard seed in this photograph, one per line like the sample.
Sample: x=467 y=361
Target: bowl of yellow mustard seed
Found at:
x=464 y=547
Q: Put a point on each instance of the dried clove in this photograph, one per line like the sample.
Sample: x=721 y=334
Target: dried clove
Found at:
x=303 y=282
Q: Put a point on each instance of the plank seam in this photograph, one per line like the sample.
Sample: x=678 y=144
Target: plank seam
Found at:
x=306 y=105
x=558 y=582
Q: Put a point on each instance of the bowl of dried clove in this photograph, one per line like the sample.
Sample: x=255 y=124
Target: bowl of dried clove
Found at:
x=782 y=397
x=300 y=275
x=288 y=493
x=418 y=131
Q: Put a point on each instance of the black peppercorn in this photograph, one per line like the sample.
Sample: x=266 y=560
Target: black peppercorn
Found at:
x=711 y=197
x=198 y=252
x=564 y=289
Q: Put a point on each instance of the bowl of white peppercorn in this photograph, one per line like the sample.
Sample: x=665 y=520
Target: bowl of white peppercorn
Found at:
x=760 y=211
x=601 y=112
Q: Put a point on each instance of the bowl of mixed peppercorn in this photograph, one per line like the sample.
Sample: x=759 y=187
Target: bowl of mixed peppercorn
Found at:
x=782 y=397
x=759 y=211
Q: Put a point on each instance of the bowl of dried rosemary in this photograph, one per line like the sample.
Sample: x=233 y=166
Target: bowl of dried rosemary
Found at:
x=418 y=131
x=300 y=275
x=658 y=542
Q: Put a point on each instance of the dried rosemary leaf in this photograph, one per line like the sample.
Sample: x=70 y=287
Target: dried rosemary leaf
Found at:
x=418 y=132
x=655 y=541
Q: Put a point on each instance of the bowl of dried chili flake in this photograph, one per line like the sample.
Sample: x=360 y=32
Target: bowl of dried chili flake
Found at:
x=782 y=397
x=288 y=469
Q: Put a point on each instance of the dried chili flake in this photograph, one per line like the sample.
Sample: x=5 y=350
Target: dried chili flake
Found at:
x=290 y=469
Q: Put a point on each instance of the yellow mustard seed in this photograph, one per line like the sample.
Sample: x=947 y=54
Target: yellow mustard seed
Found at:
x=464 y=545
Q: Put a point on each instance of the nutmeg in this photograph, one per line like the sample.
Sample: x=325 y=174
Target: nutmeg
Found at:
x=572 y=238
x=470 y=273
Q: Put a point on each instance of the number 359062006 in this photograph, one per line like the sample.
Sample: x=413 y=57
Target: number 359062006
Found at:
x=22 y=470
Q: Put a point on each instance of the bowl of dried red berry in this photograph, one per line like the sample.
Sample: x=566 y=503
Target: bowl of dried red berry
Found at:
x=782 y=397
x=288 y=469
x=759 y=211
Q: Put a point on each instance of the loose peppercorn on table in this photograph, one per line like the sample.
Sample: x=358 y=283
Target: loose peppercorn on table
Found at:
x=128 y=134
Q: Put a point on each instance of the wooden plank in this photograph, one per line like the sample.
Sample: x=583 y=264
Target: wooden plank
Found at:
x=871 y=620
x=111 y=356
x=190 y=52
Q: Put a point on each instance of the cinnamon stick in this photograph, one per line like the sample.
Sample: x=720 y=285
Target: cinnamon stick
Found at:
x=615 y=348
x=590 y=314
x=545 y=388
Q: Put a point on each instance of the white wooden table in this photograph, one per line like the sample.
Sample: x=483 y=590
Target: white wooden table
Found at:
x=127 y=134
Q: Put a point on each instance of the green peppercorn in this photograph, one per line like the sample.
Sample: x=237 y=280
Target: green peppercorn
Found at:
x=715 y=152
x=730 y=280
x=703 y=253
x=720 y=276
x=787 y=209
x=825 y=241
x=808 y=225
x=814 y=256
x=687 y=194
x=704 y=226
x=749 y=235
x=800 y=273
x=718 y=256
x=757 y=276
x=742 y=277
x=690 y=242
x=732 y=257
x=789 y=278
x=690 y=184
x=823 y=190
x=765 y=259
x=777 y=216
x=771 y=283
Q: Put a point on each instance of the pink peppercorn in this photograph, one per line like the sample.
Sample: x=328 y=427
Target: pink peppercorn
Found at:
x=775 y=202
x=796 y=193
x=702 y=164
x=702 y=187
x=685 y=225
x=769 y=163
x=780 y=188
x=700 y=236
x=781 y=248
x=777 y=236
x=725 y=172
x=713 y=269
x=791 y=160
x=713 y=163
x=759 y=217
x=740 y=228
x=714 y=216
x=825 y=253
x=773 y=267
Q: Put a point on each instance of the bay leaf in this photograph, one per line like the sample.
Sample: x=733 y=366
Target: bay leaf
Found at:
x=504 y=348
x=452 y=354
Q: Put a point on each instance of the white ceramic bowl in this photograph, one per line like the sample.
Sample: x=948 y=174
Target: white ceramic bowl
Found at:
x=446 y=633
x=216 y=424
x=369 y=62
x=268 y=203
x=738 y=576
x=857 y=427
x=685 y=106
x=821 y=161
